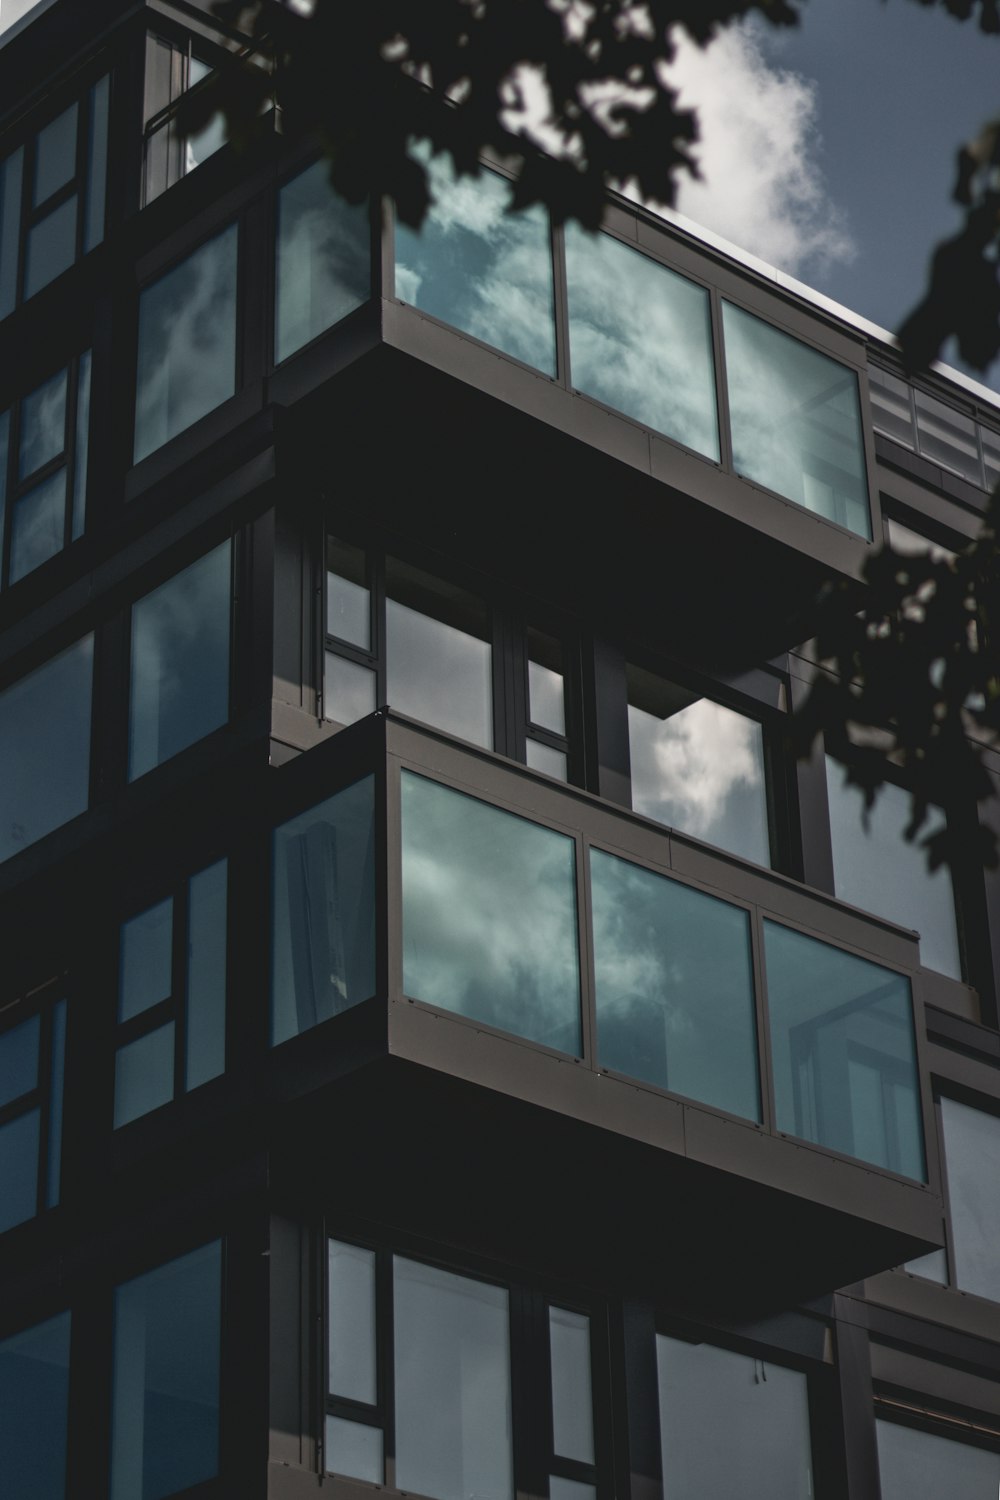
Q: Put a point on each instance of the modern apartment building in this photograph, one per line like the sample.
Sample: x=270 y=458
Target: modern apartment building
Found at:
x=446 y=1045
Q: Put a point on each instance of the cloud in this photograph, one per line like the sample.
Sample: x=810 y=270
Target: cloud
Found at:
x=760 y=154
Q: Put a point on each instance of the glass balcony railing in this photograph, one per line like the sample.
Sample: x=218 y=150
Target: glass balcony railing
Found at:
x=937 y=431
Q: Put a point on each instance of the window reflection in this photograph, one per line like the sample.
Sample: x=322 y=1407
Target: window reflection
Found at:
x=323 y=259
x=916 y=1465
x=34 y=1408
x=971 y=1140
x=438 y=654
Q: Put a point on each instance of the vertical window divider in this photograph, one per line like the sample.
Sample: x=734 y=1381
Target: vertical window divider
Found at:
x=375 y=566
x=386 y=238
x=81 y=185
x=385 y=1359
x=27 y=189
x=560 y=305
x=70 y=443
x=44 y=1101
x=7 y=531
x=178 y=980
x=721 y=383
x=765 y=1066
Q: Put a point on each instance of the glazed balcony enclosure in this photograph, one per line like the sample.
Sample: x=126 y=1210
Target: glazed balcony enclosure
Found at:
x=721 y=1046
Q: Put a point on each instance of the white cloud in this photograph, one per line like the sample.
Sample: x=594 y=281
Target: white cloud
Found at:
x=760 y=154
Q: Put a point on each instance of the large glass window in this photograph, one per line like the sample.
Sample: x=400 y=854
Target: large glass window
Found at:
x=915 y=1465
x=438 y=654
x=64 y=166
x=171 y=1033
x=874 y=867
x=187 y=343
x=971 y=1143
x=697 y=766
x=34 y=1403
x=796 y=421
x=179 y=680
x=473 y=264
x=641 y=339
x=731 y=1424
x=32 y=1069
x=674 y=976
x=45 y=748
x=323 y=911
x=489 y=915
x=845 y=1069
x=165 y=1402
x=169 y=154
x=323 y=259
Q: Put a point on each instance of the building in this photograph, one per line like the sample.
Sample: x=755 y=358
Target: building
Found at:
x=537 y=1084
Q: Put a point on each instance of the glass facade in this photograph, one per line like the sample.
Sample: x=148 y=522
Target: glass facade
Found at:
x=34 y=1403
x=971 y=1142
x=323 y=259
x=438 y=654
x=915 y=1465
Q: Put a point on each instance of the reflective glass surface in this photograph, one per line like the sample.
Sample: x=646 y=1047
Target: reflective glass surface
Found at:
x=697 y=766
x=933 y=1267
x=146 y=959
x=795 y=421
x=351 y=1322
x=572 y=1403
x=45 y=748
x=82 y=447
x=892 y=412
x=323 y=911
x=180 y=662
x=4 y=452
x=972 y=1165
x=641 y=339
x=324 y=259
x=438 y=655
x=476 y=266
x=917 y=1465
x=43 y=424
x=205 y=1055
x=165 y=1416
x=144 y=1074
x=348 y=689
x=948 y=437
x=55 y=155
x=51 y=247
x=845 y=1070
x=34 y=1405
x=731 y=1425
x=97 y=166
x=674 y=976
x=19 y=1140
x=348 y=599
x=546 y=697
x=54 y=1182
x=187 y=343
x=452 y=1376
x=489 y=915
x=876 y=869
x=212 y=136
x=11 y=169
x=19 y=1059
x=38 y=525
x=354 y=1449
x=546 y=759
x=570 y=1489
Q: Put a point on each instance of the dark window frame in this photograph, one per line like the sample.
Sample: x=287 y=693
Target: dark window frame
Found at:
x=43 y=1003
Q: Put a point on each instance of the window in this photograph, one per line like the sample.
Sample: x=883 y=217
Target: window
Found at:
x=547 y=746
x=323 y=259
x=165 y=1396
x=697 y=766
x=52 y=195
x=641 y=339
x=795 y=418
x=877 y=869
x=455 y=1364
x=479 y=268
x=32 y=1069
x=179 y=681
x=765 y=1453
x=45 y=754
x=489 y=915
x=34 y=1405
x=970 y=1140
x=171 y=1033
x=915 y=1465
x=675 y=995
x=935 y=429
x=43 y=469
x=169 y=155
x=844 y=1053
x=323 y=911
x=187 y=343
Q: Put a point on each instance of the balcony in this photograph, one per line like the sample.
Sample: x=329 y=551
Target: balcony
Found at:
x=506 y=998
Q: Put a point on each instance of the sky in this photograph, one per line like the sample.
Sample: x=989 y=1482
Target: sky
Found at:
x=828 y=150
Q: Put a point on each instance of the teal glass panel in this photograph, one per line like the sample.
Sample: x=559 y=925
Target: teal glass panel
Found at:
x=19 y=1059
x=479 y=268
x=38 y=525
x=54 y=1174
x=144 y=1074
x=675 y=996
x=187 y=343
x=146 y=960
x=796 y=421
x=845 y=1067
x=34 y=1408
x=165 y=1404
x=489 y=915
x=97 y=166
x=82 y=446
x=55 y=155
x=323 y=911
x=915 y=1465
x=45 y=748
x=731 y=1425
x=11 y=171
x=19 y=1141
x=51 y=247
x=354 y=1449
x=641 y=339
x=180 y=662
x=323 y=259
x=205 y=1056
x=43 y=425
